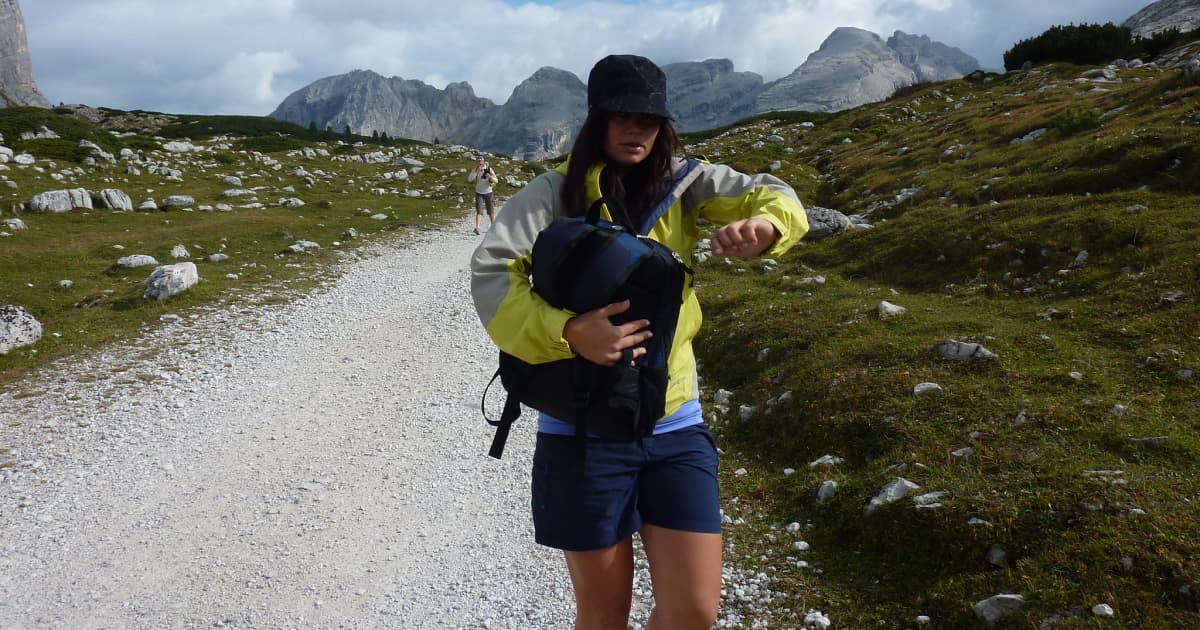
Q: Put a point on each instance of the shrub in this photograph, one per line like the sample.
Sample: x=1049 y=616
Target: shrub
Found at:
x=1076 y=120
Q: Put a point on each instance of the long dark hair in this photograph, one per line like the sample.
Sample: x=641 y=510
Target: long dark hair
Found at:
x=642 y=187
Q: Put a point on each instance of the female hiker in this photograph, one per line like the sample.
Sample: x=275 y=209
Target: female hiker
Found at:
x=662 y=487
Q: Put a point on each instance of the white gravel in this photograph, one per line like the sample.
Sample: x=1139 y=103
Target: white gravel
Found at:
x=321 y=464
x=318 y=464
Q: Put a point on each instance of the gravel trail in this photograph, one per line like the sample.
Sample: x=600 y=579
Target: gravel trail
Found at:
x=320 y=464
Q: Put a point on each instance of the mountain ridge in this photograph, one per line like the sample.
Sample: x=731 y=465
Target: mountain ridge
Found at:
x=852 y=67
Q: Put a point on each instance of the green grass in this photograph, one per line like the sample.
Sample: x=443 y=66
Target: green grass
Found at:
x=105 y=304
x=983 y=252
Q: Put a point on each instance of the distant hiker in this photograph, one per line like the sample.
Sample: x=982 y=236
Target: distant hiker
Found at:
x=662 y=487
x=484 y=178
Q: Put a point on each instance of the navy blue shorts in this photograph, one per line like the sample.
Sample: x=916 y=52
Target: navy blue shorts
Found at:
x=667 y=480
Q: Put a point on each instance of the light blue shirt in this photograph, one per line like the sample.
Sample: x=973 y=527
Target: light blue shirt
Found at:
x=688 y=414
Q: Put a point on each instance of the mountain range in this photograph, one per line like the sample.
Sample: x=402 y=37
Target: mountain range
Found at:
x=852 y=67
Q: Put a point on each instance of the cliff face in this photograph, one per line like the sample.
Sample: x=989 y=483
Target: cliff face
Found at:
x=708 y=94
x=538 y=121
x=16 y=72
x=1164 y=14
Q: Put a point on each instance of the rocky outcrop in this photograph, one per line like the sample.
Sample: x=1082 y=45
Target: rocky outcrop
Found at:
x=369 y=103
x=538 y=121
x=708 y=94
x=16 y=71
x=1165 y=14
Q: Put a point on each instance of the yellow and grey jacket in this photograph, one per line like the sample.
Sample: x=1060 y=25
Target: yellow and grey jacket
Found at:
x=525 y=326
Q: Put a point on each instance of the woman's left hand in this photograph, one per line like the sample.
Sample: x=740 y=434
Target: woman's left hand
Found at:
x=744 y=238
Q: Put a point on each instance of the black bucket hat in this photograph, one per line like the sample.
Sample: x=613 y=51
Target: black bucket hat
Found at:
x=629 y=84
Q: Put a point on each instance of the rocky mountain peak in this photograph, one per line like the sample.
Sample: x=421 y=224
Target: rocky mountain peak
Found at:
x=930 y=60
x=16 y=71
x=1163 y=15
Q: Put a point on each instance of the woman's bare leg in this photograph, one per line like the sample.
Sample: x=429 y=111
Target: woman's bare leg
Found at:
x=603 y=582
x=685 y=569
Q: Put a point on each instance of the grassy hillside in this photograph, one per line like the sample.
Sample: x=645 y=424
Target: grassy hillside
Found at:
x=1071 y=460
x=347 y=188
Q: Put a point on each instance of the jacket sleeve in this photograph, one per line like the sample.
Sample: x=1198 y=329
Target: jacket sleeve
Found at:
x=519 y=321
x=723 y=195
x=472 y=174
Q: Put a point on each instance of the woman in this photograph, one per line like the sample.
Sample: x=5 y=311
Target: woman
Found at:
x=663 y=487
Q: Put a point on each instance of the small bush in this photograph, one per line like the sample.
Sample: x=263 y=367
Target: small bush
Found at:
x=1076 y=120
x=271 y=144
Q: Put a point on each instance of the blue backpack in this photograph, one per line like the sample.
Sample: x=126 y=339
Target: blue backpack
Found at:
x=582 y=264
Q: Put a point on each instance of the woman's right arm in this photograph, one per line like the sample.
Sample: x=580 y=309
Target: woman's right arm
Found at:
x=519 y=321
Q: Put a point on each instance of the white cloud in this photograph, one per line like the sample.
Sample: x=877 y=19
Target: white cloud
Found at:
x=233 y=56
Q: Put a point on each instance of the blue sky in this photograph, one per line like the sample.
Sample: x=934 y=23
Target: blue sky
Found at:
x=245 y=57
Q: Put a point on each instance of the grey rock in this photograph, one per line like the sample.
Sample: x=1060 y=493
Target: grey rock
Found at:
x=996 y=607
x=115 y=199
x=61 y=201
x=892 y=491
x=963 y=351
x=169 y=280
x=136 y=260
x=18 y=328
x=825 y=222
x=178 y=201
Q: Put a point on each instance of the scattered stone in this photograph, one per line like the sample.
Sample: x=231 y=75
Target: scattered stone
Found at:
x=887 y=310
x=996 y=607
x=963 y=351
x=893 y=491
x=826 y=491
x=179 y=251
x=178 y=201
x=922 y=389
x=136 y=260
x=1103 y=610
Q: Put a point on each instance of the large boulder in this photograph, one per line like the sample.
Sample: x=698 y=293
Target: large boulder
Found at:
x=115 y=199
x=17 y=328
x=61 y=200
x=169 y=280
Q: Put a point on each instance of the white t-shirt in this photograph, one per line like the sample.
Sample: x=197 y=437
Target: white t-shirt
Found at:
x=483 y=185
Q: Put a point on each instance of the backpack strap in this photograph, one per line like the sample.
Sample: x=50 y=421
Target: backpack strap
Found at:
x=512 y=411
x=679 y=183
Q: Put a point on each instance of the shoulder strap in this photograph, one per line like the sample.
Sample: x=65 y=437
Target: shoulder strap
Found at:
x=682 y=178
x=512 y=411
